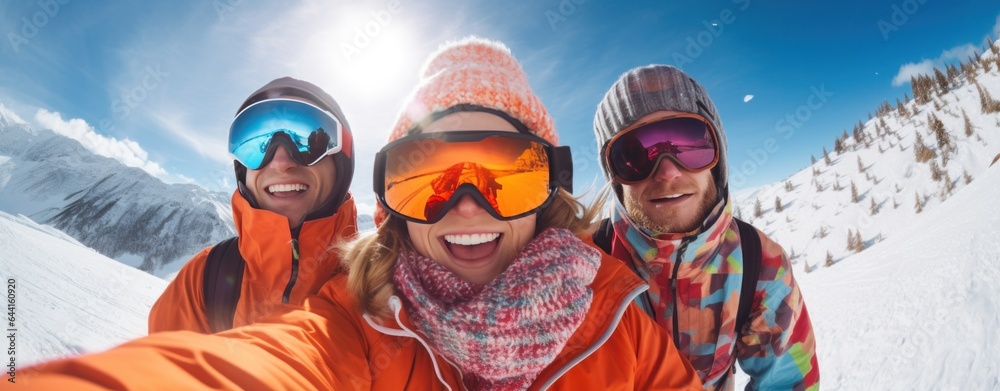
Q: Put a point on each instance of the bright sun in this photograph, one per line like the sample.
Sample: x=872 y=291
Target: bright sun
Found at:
x=380 y=63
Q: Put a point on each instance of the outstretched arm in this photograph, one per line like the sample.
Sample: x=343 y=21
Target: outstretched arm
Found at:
x=320 y=347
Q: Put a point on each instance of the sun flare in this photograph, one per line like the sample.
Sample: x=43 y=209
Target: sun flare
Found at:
x=378 y=63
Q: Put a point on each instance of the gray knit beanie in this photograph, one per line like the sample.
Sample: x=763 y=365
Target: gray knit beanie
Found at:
x=652 y=88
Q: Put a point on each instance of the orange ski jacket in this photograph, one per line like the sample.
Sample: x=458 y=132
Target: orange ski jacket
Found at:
x=266 y=245
x=328 y=344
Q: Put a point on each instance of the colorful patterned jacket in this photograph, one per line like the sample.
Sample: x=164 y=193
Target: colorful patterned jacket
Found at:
x=695 y=284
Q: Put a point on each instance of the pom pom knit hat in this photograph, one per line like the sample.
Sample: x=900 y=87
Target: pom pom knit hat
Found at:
x=472 y=74
x=476 y=72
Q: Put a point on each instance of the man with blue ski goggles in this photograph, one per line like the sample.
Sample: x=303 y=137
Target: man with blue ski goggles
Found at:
x=294 y=163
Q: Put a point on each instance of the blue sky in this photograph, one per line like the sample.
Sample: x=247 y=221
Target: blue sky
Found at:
x=155 y=84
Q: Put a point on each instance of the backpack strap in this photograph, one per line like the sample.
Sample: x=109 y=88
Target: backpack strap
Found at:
x=222 y=281
x=750 y=244
x=603 y=235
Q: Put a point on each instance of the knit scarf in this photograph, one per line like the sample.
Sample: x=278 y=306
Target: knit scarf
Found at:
x=502 y=334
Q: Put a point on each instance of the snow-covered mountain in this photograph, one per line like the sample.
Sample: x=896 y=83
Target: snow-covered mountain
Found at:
x=891 y=170
x=366 y=222
x=120 y=211
x=69 y=299
x=8 y=117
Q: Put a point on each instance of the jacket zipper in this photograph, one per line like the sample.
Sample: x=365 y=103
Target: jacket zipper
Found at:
x=673 y=290
x=286 y=297
x=623 y=305
x=397 y=305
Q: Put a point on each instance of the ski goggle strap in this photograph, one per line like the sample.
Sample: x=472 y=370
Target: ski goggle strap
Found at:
x=421 y=177
x=309 y=133
x=688 y=140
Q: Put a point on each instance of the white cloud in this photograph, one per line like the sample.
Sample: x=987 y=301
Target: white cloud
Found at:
x=910 y=70
x=926 y=66
x=208 y=144
x=747 y=98
x=126 y=151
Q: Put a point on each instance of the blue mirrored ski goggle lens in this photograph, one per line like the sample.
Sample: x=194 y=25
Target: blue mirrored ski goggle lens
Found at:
x=311 y=131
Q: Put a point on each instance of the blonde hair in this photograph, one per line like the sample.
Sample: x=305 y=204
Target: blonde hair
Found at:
x=371 y=259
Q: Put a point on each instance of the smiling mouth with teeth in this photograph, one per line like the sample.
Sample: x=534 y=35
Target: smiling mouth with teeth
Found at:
x=471 y=240
x=669 y=197
x=284 y=188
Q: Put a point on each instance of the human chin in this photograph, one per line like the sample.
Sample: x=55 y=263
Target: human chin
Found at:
x=289 y=196
x=476 y=252
x=292 y=193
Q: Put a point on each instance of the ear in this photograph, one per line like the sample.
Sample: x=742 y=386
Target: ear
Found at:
x=241 y=171
x=241 y=177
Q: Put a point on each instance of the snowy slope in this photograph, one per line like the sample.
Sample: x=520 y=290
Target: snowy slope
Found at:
x=69 y=298
x=121 y=211
x=921 y=310
x=817 y=217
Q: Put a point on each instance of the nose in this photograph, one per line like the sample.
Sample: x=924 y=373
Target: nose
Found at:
x=667 y=170
x=282 y=160
x=467 y=207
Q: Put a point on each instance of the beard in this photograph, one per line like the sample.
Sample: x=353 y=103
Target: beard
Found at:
x=673 y=221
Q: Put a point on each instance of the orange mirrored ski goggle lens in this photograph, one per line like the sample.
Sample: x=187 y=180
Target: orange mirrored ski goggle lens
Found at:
x=510 y=175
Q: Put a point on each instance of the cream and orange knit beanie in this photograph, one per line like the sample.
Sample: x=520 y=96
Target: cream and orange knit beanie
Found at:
x=472 y=73
x=478 y=72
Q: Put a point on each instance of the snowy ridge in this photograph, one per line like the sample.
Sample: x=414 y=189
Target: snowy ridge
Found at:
x=69 y=298
x=8 y=117
x=819 y=213
x=121 y=211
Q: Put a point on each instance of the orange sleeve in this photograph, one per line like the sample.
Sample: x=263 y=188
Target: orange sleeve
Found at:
x=181 y=306
x=660 y=365
x=319 y=347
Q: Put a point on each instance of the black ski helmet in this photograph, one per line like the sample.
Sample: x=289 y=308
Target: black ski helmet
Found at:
x=344 y=160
